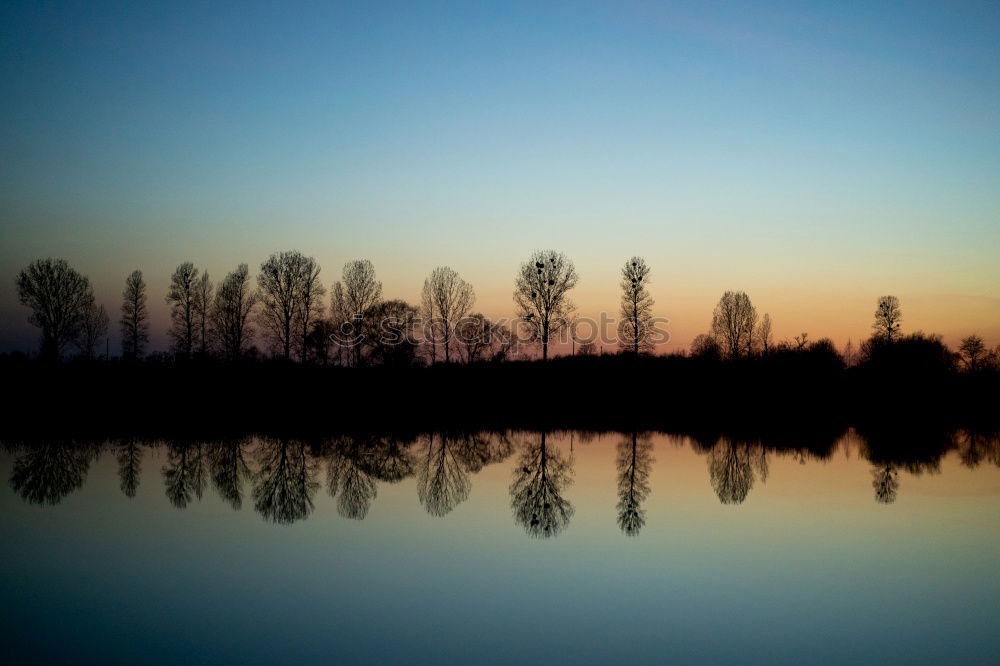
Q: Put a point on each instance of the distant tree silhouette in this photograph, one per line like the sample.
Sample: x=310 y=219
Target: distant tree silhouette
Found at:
x=48 y=472
x=312 y=304
x=232 y=312
x=285 y=282
x=976 y=445
x=764 y=334
x=59 y=298
x=134 y=321
x=733 y=324
x=182 y=296
x=887 y=318
x=355 y=299
x=541 y=293
x=390 y=331
x=705 y=347
x=973 y=351
x=541 y=476
x=636 y=327
x=447 y=298
x=204 y=296
x=442 y=481
x=478 y=338
x=129 y=456
x=476 y=450
x=285 y=482
x=93 y=330
x=184 y=473
x=228 y=467
x=634 y=462
x=390 y=461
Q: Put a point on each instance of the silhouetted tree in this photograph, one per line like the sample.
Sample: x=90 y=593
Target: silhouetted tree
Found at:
x=541 y=477
x=391 y=336
x=887 y=318
x=705 y=346
x=93 y=330
x=449 y=298
x=764 y=335
x=312 y=304
x=59 y=298
x=204 y=297
x=479 y=338
x=973 y=351
x=477 y=450
x=46 y=473
x=442 y=482
x=129 y=456
x=182 y=296
x=134 y=321
x=354 y=300
x=390 y=460
x=636 y=327
x=975 y=446
x=634 y=462
x=229 y=470
x=285 y=481
x=184 y=473
x=733 y=324
x=231 y=313
x=285 y=281
x=541 y=293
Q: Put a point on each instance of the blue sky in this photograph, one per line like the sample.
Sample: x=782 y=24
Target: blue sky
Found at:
x=810 y=153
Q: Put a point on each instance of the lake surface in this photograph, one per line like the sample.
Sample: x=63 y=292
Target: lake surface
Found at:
x=503 y=547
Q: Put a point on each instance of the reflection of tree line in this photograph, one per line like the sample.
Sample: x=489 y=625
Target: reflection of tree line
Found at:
x=281 y=476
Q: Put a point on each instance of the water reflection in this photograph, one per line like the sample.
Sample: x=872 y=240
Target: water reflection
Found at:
x=283 y=475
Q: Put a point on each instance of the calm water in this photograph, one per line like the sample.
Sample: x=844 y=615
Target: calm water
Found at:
x=502 y=547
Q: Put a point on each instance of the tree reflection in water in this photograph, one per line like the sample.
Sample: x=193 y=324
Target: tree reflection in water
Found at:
x=442 y=482
x=230 y=471
x=46 y=473
x=349 y=475
x=285 y=481
x=184 y=473
x=129 y=456
x=634 y=462
x=731 y=467
x=885 y=481
x=541 y=476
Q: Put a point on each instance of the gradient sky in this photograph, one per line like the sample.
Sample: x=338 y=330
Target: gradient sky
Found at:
x=816 y=155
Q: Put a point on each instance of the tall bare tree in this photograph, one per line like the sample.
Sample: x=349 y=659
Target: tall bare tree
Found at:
x=231 y=313
x=312 y=306
x=636 y=328
x=134 y=321
x=764 y=334
x=887 y=318
x=733 y=323
x=59 y=298
x=93 y=330
x=203 y=311
x=450 y=299
x=182 y=296
x=541 y=293
x=358 y=294
x=283 y=281
x=973 y=351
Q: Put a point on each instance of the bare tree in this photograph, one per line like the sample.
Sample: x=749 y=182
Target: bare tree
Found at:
x=478 y=337
x=764 y=334
x=340 y=323
x=636 y=307
x=358 y=295
x=311 y=309
x=135 y=316
x=450 y=298
x=634 y=464
x=541 y=293
x=231 y=313
x=283 y=281
x=430 y=328
x=887 y=318
x=541 y=476
x=59 y=299
x=183 y=300
x=93 y=329
x=203 y=290
x=389 y=331
x=733 y=323
x=973 y=350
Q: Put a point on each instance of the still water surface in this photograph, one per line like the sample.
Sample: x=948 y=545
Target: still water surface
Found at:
x=501 y=547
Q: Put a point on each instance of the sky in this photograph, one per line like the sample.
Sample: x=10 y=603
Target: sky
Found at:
x=815 y=155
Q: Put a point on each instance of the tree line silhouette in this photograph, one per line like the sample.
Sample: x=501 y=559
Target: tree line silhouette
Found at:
x=281 y=476
x=286 y=311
